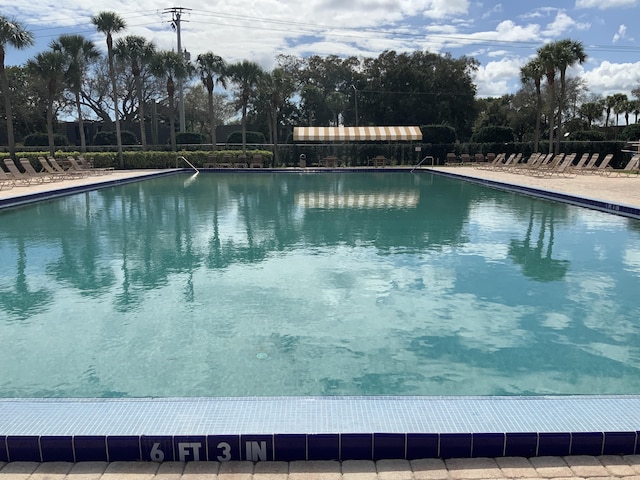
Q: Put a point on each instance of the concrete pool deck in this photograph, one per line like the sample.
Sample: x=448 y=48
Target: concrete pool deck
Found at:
x=613 y=190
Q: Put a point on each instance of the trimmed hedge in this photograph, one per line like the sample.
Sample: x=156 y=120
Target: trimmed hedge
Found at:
x=42 y=140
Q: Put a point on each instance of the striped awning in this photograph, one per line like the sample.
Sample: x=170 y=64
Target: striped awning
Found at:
x=355 y=134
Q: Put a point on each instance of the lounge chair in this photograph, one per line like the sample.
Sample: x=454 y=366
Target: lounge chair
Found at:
x=582 y=162
x=76 y=167
x=239 y=162
x=602 y=168
x=18 y=176
x=84 y=163
x=452 y=159
x=69 y=173
x=495 y=162
x=524 y=167
x=257 y=161
x=6 y=180
x=561 y=165
x=631 y=168
x=39 y=177
x=48 y=168
x=514 y=159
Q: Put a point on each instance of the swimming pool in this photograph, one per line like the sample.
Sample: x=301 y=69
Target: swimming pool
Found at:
x=241 y=285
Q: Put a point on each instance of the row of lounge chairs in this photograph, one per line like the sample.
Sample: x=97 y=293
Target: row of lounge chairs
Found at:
x=50 y=171
x=541 y=165
x=230 y=161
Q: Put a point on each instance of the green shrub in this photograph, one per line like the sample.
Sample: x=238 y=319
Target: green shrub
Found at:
x=438 y=134
x=42 y=139
x=252 y=137
x=189 y=138
x=588 y=136
x=493 y=133
x=631 y=132
x=109 y=138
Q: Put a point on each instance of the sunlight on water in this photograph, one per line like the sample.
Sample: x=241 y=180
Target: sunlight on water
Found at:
x=331 y=284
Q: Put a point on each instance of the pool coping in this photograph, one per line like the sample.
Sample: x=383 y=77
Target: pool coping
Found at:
x=615 y=208
x=318 y=428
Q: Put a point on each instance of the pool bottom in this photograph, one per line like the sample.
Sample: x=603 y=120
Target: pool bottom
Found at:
x=316 y=428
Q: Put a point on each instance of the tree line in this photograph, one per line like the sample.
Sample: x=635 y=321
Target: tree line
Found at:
x=415 y=88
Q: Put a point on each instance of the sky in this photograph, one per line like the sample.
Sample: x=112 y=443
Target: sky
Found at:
x=502 y=36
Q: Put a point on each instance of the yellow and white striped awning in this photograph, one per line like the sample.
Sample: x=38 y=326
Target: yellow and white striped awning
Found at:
x=355 y=134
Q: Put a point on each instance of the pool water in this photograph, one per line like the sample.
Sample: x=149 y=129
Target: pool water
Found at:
x=316 y=284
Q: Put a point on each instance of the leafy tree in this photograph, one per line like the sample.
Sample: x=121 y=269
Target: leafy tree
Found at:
x=548 y=58
x=212 y=70
x=196 y=109
x=79 y=52
x=172 y=66
x=569 y=52
x=592 y=111
x=110 y=23
x=12 y=34
x=609 y=104
x=533 y=71
x=277 y=87
x=246 y=76
x=438 y=134
x=493 y=133
x=138 y=52
x=49 y=66
x=420 y=87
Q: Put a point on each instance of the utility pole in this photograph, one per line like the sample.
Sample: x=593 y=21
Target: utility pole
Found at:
x=176 y=18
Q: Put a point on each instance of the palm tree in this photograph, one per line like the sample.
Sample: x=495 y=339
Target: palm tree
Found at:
x=246 y=76
x=79 y=52
x=619 y=105
x=547 y=56
x=568 y=53
x=138 y=52
x=212 y=69
x=50 y=68
x=609 y=103
x=12 y=34
x=110 y=23
x=172 y=66
x=533 y=71
x=275 y=89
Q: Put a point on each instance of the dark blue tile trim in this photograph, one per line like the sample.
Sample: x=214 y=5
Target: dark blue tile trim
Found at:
x=323 y=446
x=256 y=448
x=20 y=200
x=488 y=445
x=223 y=448
x=190 y=448
x=554 y=444
x=4 y=453
x=603 y=206
x=90 y=448
x=422 y=445
x=57 y=449
x=587 y=443
x=24 y=449
x=389 y=445
x=356 y=446
x=289 y=447
x=620 y=443
x=455 y=445
x=157 y=448
x=123 y=448
x=521 y=445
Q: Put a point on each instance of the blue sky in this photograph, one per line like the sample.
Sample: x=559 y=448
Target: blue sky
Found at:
x=502 y=36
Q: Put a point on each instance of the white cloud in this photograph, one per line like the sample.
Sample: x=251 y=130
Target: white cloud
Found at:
x=604 y=4
x=609 y=78
x=621 y=33
x=493 y=78
x=563 y=23
x=445 y=8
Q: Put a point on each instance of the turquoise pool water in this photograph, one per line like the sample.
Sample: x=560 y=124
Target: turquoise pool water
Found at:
x=328 y=284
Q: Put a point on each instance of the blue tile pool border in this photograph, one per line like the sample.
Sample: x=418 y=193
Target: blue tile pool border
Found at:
x=316 y=428
x=594 y=204
x=105 y=182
